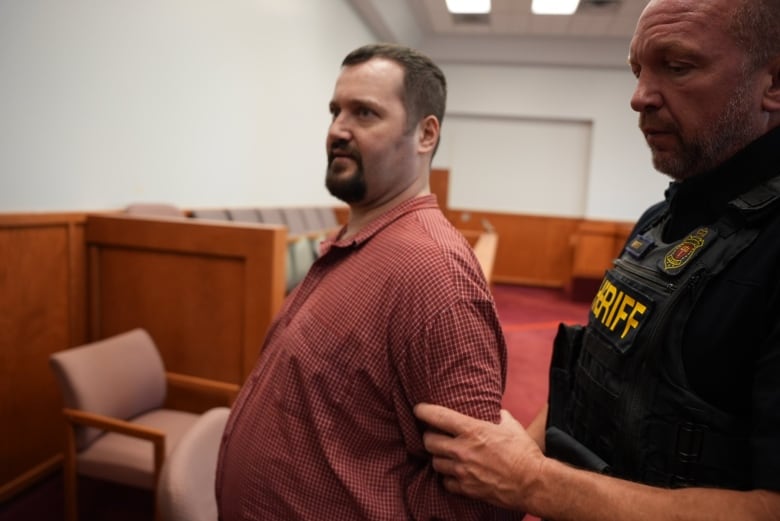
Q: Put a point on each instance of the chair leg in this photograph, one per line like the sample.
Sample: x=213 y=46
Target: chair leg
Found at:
x=69 y=476
x=159 y=457
x=157 y=514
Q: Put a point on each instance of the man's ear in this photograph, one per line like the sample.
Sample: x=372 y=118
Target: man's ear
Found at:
x=429 y=134
x=771 y=100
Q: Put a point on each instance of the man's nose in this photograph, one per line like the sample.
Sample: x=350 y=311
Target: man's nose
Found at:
x=647 y=96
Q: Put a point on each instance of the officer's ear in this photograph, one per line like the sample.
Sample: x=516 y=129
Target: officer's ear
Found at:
x=771 y=99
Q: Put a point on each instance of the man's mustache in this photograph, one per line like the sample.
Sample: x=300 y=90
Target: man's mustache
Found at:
x=343 y=149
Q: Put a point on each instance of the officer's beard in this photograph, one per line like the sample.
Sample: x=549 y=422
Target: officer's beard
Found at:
x=731 y=132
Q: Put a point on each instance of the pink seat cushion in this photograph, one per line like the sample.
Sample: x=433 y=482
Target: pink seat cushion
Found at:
x=130 y=461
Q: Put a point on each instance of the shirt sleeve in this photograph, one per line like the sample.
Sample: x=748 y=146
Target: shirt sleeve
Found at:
x=459 y=361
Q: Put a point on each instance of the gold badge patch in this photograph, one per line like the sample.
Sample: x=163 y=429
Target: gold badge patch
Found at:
x=684 y=251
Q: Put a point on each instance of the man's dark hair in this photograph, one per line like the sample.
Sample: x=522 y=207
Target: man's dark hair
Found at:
x=425 y=88
x=756 y=27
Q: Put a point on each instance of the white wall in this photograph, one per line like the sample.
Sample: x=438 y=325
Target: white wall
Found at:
x=619 y=180
x=517 y=165
x=194 y=102
x=224 y=103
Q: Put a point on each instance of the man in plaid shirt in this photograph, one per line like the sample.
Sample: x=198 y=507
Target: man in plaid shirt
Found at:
x=394 y=312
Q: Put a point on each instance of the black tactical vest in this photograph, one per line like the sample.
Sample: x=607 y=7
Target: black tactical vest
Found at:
x=619 y=400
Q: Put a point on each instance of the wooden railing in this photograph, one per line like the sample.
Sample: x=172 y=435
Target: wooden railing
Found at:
x=205 y=291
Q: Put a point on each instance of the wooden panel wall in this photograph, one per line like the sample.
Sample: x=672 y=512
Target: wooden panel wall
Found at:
x=569 y=253
x=594 y=245
x=42 y=310
x=342 y=214
x=440 y=187
x=532 y=250
x=206 y=292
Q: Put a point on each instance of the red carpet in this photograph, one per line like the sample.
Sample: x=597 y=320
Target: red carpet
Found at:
x=530 y=318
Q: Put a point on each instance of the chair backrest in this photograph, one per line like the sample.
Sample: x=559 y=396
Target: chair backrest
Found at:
x=328 y=217
x=311 y=216
x=185 y=491
x=154 y=209
x=121 y=376
x=215 y=214
x=245 y=215
x=270 y=215
x=293 y=218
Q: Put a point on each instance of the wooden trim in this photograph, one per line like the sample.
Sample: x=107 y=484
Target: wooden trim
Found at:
x=76 y=282
x=93 y=307
x=30 y=478
x=31 y=220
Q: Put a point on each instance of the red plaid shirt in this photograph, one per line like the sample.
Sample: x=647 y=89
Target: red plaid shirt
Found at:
x=323 y=428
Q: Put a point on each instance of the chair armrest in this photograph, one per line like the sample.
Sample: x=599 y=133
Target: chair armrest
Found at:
x=108 y=423
x=195 y=383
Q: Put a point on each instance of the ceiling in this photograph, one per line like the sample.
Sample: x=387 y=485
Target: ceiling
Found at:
x=597 y=35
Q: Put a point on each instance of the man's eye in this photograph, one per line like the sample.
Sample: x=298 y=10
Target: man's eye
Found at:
x=365 y=112
x=677 y=68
